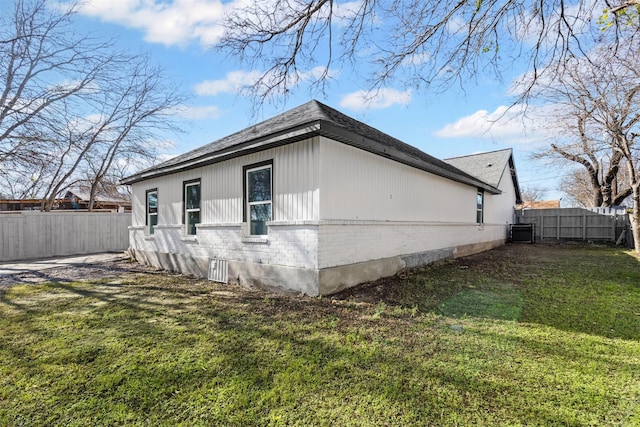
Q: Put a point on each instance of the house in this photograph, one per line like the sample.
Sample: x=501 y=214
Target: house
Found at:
x=76 y=199
x=539 y=204
x=497 y=169
x=105 y=199
x=313 y=201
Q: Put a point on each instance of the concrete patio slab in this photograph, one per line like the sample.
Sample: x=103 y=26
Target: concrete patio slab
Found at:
x=18 y=267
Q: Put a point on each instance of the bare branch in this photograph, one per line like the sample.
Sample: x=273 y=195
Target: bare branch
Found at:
x=417 y=43
x=71 y=103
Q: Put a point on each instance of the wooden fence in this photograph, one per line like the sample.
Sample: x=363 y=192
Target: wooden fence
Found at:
x=575 y=224
x=32 y=235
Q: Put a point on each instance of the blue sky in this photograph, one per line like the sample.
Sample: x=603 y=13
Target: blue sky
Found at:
x=177 y=35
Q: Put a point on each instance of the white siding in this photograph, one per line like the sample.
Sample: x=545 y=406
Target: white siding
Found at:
x=499 y=208
x=375 y=208
x=345 y=242
x=358 y=185
x=295 y=185
x=333 y=205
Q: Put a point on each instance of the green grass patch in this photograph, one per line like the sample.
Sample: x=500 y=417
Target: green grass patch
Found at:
x=525 y=335
x=504 y=305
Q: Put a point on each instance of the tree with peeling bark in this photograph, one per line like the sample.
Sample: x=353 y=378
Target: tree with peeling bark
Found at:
x=416 y=43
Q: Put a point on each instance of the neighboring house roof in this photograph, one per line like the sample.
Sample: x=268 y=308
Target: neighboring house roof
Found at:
x=489 y=167
x=542 y=204
x=305 y=121
x=100 y=197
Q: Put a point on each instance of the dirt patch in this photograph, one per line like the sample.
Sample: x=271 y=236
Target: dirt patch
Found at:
x=78 y=272
x=393 y=290
x=389 y=290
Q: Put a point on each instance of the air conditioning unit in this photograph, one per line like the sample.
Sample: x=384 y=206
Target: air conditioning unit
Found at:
x=219 y=270
x=523 y=233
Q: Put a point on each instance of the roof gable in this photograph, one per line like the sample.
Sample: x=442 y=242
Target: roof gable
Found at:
x=489 y=167
x=308 y=120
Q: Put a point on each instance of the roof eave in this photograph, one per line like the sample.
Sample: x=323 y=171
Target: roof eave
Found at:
x=305 y=131
x=356 y=140
x=514 y=177
x=288 y=136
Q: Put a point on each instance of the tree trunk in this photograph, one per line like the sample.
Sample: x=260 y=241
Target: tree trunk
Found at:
x=597 y=197
x=92 y=193
x=635 y=217
x=606 y=195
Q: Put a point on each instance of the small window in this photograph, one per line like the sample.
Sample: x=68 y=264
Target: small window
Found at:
x=480 y=207
x=191 y=206
x=258 y=191
x=152 y=210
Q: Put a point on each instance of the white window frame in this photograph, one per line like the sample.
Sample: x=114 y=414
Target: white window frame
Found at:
x=187 y=210
x=148 y=214
x=248 y=204
x=480 y=207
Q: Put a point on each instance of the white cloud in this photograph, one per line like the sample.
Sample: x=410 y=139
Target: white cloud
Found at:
x=534 y=31
x=517 y=124
x=376 y=100
x=191 y=112
x=348 y=9
x=417 y=59
x=316 y=73
x=236 y=82
x=345 y=12
x=232 y=83
x=168 y=23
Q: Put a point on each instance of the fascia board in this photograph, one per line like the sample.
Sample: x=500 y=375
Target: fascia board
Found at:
x=259 y=144
x=356 y=140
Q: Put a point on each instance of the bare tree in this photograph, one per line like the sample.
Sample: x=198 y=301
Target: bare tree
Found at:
x=417 y=43
x=120 y=118
x=599 y=161
x=600 y=97
x=72 y=105
x=139 y=107
x=580 y=192
x=578 y=189
x=22 y=180
x=42 y=63
x=530 y=195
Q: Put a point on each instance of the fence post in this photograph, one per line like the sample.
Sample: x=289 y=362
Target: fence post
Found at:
x=558 y=227
x=584 y=226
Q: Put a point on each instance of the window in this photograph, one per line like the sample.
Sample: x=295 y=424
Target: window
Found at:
x=258 y=189
x=191 y=205
x=152 y=210
x=480 y=207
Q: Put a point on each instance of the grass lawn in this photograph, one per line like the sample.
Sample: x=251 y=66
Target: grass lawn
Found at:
x=524 y=335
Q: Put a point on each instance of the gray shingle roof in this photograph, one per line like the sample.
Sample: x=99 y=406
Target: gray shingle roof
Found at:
x=305 y=121
x=488 y=167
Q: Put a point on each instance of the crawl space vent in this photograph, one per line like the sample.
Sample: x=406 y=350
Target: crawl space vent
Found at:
x=218 y=270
